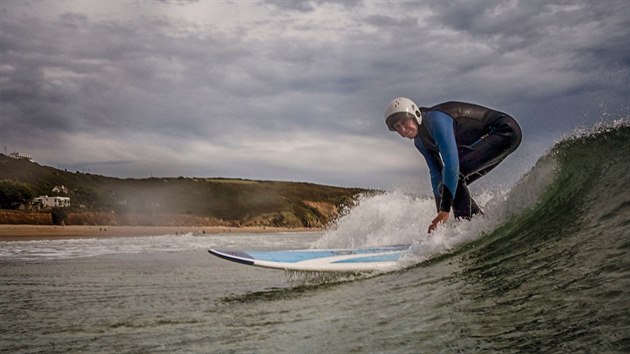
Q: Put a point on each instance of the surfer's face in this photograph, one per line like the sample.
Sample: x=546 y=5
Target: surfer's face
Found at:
x=407 y=128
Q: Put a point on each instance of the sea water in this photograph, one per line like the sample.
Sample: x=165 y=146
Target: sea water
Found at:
x=545 y=269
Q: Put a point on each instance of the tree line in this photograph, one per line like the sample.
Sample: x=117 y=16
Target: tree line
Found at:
x=14 y=194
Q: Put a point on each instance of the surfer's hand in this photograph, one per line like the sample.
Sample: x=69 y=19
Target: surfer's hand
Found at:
x=441 y=217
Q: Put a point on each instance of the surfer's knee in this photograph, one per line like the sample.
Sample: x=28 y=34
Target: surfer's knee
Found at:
x=509 y=127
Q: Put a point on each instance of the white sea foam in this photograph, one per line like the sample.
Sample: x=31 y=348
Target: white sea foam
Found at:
x=90 y=247
x=398 y=218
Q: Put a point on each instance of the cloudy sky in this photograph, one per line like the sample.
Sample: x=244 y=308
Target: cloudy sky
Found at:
x=295 y=90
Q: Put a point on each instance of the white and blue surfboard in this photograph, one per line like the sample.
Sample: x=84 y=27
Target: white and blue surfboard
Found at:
x=320 y=260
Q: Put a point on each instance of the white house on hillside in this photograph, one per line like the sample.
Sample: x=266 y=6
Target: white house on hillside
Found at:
x=44 y=201
x=60 y=189
x=21 y=156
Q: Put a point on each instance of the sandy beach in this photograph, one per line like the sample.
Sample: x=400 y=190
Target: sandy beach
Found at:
x=42 y=232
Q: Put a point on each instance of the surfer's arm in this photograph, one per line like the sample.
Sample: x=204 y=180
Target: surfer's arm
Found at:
x=435 y=168
x=440 y=126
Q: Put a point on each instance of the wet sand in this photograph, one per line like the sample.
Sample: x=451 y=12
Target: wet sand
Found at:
x=46 y=232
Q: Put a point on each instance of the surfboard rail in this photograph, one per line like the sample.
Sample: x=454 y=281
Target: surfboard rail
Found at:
x=370 y=259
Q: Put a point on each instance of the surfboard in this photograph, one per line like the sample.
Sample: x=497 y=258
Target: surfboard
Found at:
x=320 y=260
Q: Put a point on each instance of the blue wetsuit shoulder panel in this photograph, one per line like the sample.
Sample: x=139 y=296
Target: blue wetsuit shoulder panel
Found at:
x=435 y=166
x=440 y=127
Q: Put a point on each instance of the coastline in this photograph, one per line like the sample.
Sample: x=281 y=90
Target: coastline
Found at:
x=48 y=232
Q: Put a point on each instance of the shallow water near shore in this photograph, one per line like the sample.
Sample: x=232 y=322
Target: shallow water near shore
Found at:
x=139 y=294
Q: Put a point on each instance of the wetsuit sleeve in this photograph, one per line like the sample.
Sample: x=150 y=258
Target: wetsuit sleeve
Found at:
x=435 y=167
x=440 y=126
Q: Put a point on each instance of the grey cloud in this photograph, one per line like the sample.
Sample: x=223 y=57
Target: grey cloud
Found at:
x=309 y=5
x=110 y=74
x=179 y=2
x=388 y=21
x=490 y=38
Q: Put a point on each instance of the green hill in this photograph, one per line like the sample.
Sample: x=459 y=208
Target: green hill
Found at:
x=181 y=201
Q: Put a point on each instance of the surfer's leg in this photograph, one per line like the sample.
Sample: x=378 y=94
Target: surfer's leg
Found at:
x=503 y=137
x=474 y=163
x=463 y=204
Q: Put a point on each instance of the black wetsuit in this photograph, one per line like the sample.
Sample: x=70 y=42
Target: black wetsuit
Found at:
x=462 y=142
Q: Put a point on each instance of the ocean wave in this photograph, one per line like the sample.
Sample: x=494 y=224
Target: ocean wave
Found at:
x=580 y=183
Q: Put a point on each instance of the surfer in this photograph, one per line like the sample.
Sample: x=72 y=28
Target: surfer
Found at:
x=460 y=143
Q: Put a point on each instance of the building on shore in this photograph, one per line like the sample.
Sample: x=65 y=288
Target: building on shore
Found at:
x=60 y=189
x=21 y=156
x=45 y=202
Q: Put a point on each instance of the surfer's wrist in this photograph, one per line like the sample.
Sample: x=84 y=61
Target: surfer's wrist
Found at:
x=446 y=200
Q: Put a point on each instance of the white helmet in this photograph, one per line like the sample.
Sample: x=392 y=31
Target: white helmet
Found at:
x=401 y=105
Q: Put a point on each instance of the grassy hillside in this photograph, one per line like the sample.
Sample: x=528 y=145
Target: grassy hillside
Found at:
x=166 y=201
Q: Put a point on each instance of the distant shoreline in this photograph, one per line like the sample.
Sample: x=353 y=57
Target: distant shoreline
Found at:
x=48 y=232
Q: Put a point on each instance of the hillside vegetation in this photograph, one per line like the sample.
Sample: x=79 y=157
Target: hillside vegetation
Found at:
x=178 y=201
